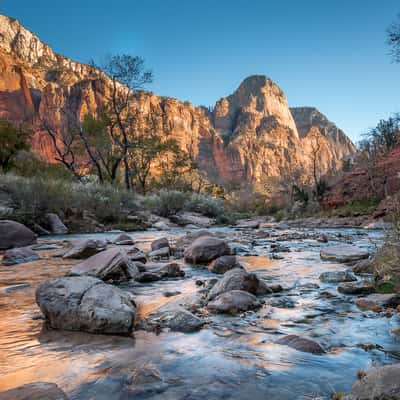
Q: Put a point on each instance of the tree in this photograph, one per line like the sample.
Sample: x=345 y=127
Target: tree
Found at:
x=13 y=139
x=128 y=74
x=393 y=40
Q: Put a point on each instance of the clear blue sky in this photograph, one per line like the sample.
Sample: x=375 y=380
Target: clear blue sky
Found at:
x=329 y=54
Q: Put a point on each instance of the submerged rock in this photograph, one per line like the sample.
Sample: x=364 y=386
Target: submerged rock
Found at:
x=206 y=249
x=112 y=264
x=35 y=391
x=175 y=318
x=224 y=264
x=301 y=344
x=378 y=384
x=360 y=287
x=85 y=249
x=14 y=234
x=86 y=304
x=337 y=276
x=239 y=279
x=343 y=253
x=19 y=256
x=234 y=302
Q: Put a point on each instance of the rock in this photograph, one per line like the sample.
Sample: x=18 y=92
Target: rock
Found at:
x=160 y=253
x=337 y=276
x=160 y=244
x=40 y=230
x=380 y=224
x=190 y=237
x=360 y=287
x=162 y=226
x=192 y=219
x=123 y=240
x=223 y=264
x=86 y=304
x=248 y=224
x=173 y=317
x=136 y=255
x=376 y=302
x=148 y=374
x=238 y=279
x=55 y=224
x=343 y=253
x=19 y=256
x=233 y=302
x=323 y=239
x=35 y=391
x=381 y=383
x=206 y=249
x=112 y=264
x=278 y=248
x=364 y=267
x=283 y=302
x=146 y=277
x=85 y=249
x=171 y=293
x=301 y=344
x=14 y=234
x=171 y=270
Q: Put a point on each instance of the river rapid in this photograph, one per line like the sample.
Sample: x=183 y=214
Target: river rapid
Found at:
x=231 y=357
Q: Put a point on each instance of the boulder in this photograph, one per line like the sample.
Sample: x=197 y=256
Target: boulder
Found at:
x=134 y=254
x=238 y=279
x=343 y=253
x=233 y=302
x=86 y=304
x=160 y=244
x=174 y=318
x=381 y=383
x=35 y=391
x=146 y=277
x=188 y=218
x=112 y=264
x=160 y=253
x=19 y=256
x=360 y=287
x=123 y=240
x=85 y=248
x=206 y=249
x=337 y=276
x=224 y=264
x=248 y=224
x=55 y=224
x=301 y=344
x=171 y=270
x=14 y=234
x=190 y=237
x=365 y=266
x=376 y=302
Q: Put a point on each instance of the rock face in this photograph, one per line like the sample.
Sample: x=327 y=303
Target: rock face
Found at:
x=112 y=264
x=14 y=234
x=379 y=384
x=343 y=253
x=35 y=391
x=250 y=135
x=86 y=304
x=206 y=249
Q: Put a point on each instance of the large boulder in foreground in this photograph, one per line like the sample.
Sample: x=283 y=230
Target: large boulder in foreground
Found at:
x=85 y=248
x=301 y=344
x=110 y=265
x=239 y=279
x=379 y=384
x=233 y=302
x=35 y=391
x=19 y=256
x=86 y=304
x=206 y=249
x=343 y=253
x=14 y=234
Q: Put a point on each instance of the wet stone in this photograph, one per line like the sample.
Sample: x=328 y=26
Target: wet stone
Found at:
x=301 y=344
x=337 y=276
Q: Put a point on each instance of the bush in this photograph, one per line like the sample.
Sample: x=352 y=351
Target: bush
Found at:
x=33 y=197
x=166 y=203
x=205 y=205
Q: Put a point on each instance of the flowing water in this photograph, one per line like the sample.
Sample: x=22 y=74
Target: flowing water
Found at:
x=230 y=358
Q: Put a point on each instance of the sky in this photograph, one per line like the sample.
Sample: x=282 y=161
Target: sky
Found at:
x=328 y=54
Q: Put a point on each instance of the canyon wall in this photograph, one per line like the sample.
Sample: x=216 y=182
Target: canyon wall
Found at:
x=248 y=137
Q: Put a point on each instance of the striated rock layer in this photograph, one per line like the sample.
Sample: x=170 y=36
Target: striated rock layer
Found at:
x=248 y=136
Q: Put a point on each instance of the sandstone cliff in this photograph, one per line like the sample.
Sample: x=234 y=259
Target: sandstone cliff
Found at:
x=248 y=136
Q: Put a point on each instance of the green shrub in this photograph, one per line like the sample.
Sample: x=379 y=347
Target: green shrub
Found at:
x=166 y=203
x=205 y=205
